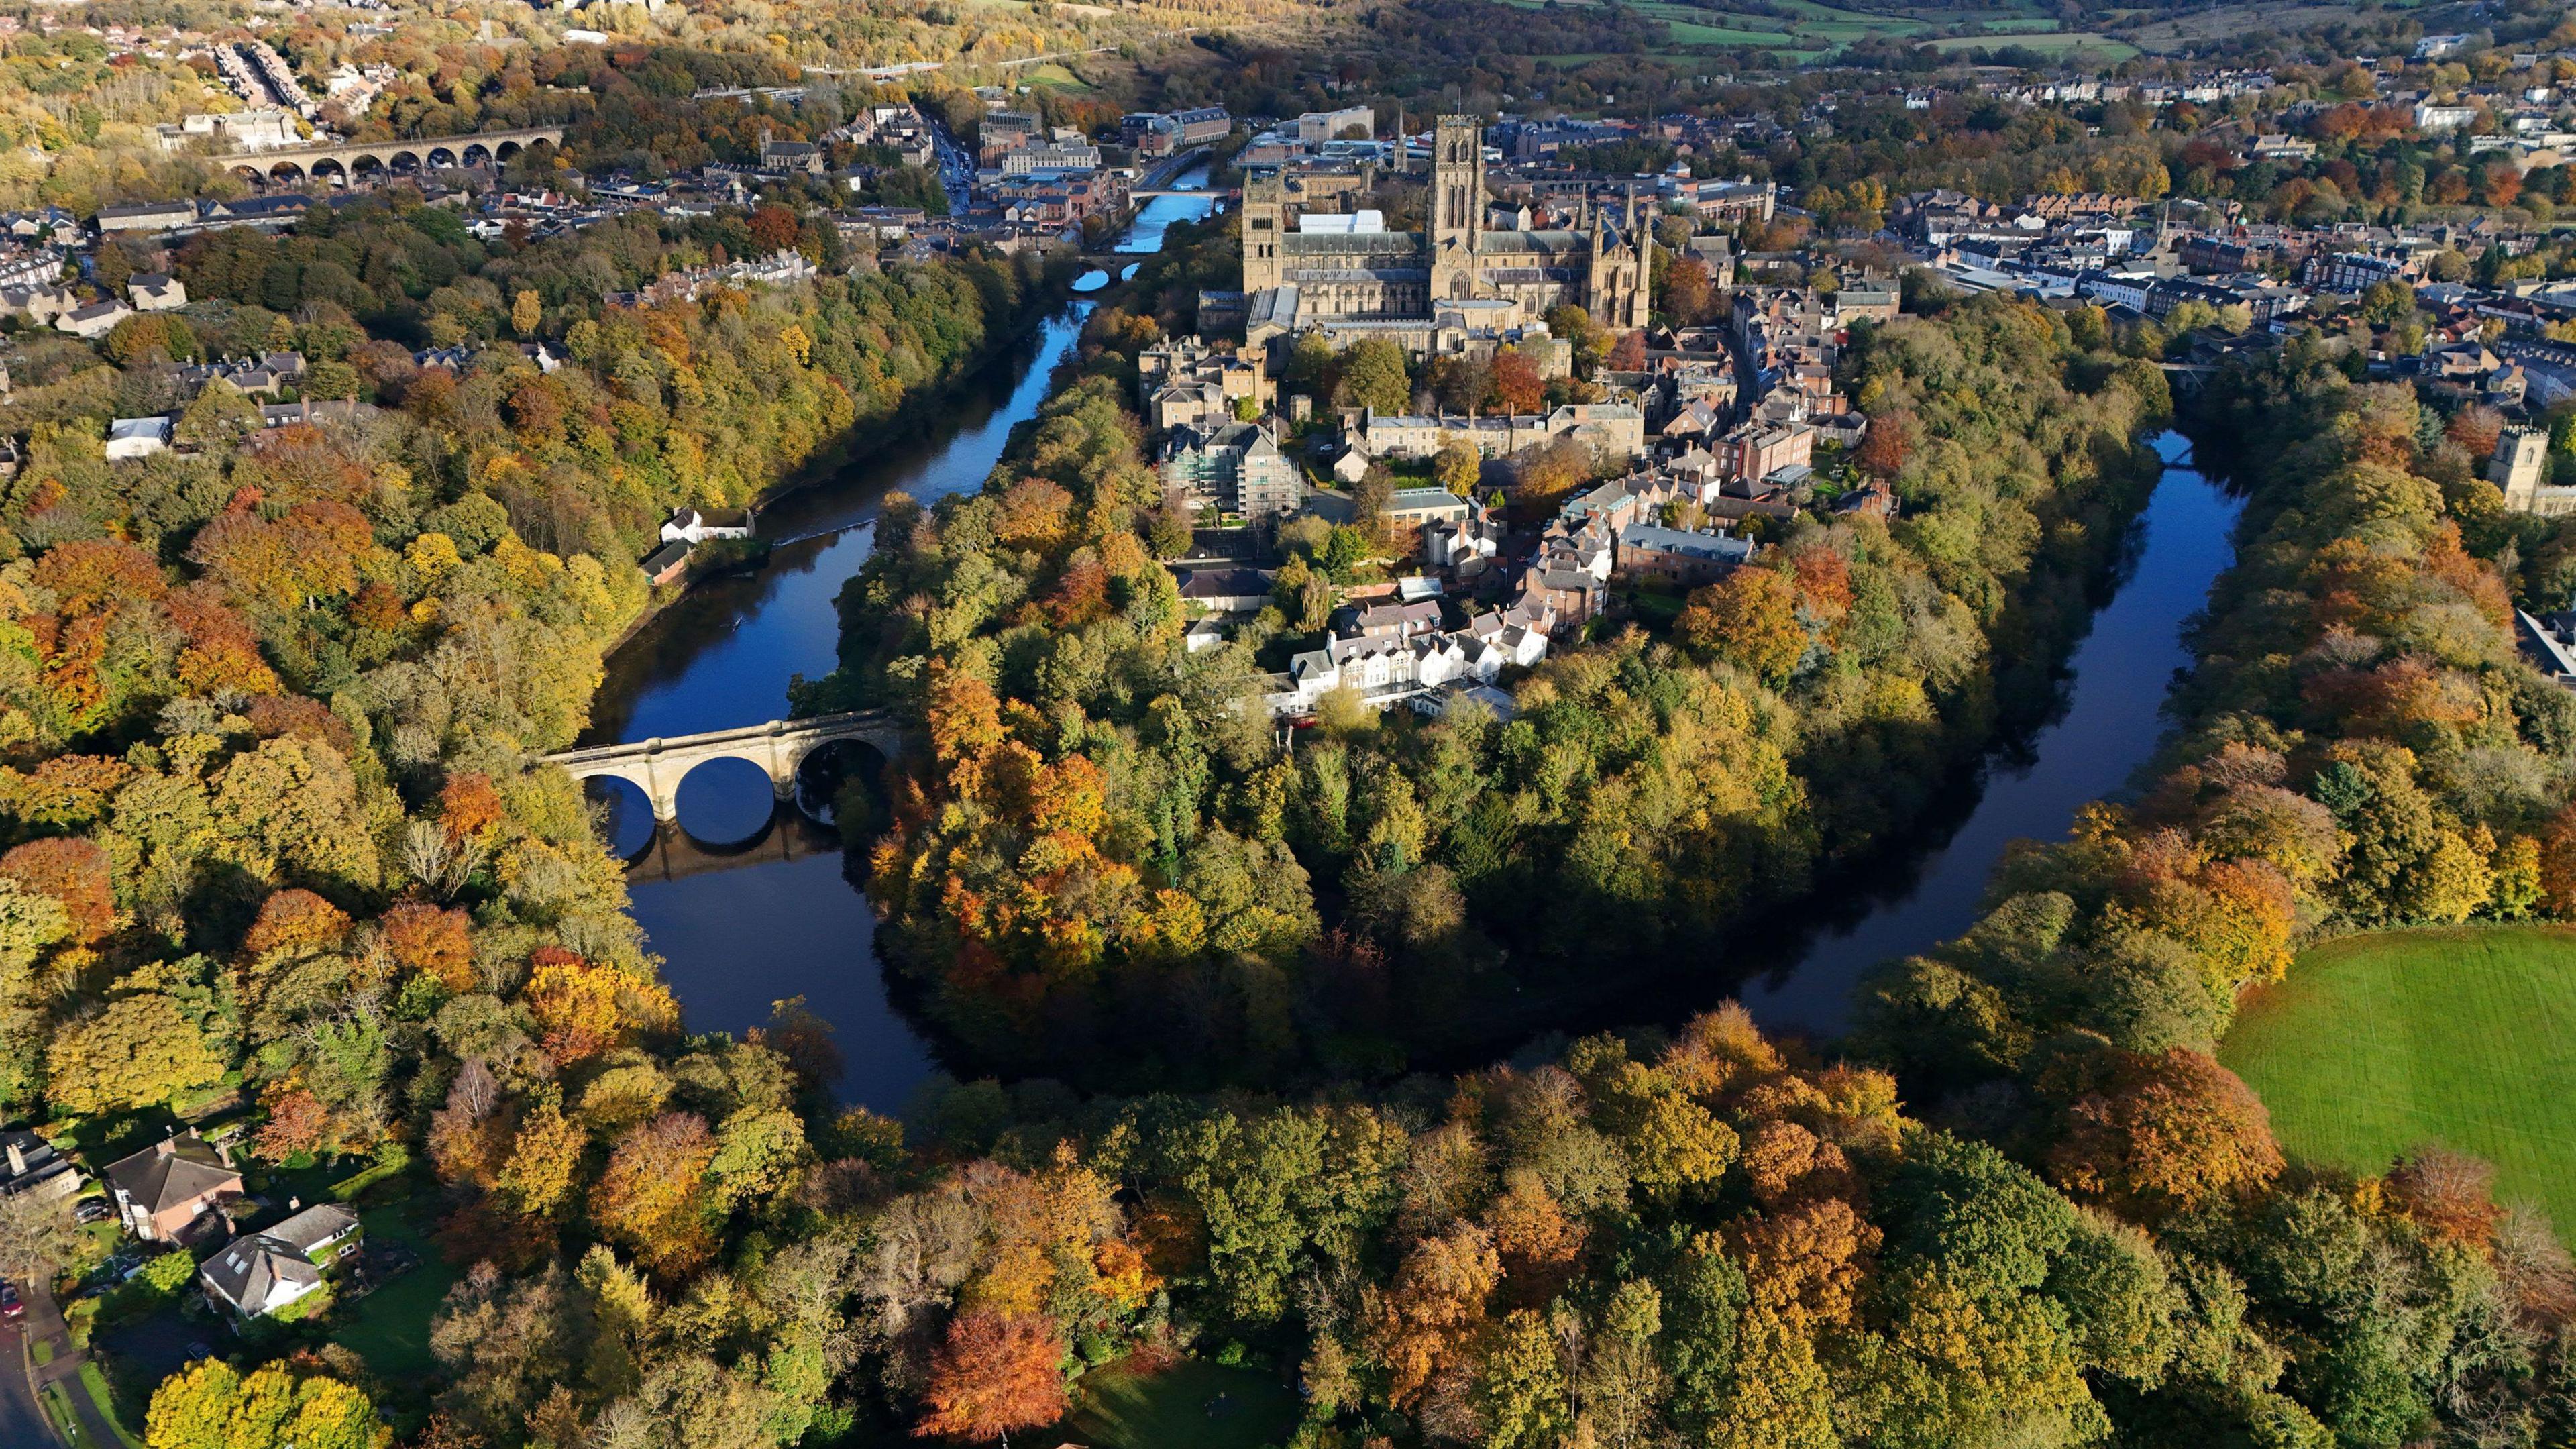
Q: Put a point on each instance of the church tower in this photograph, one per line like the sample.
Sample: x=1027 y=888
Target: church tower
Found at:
x=1457 y=204
x=1265 y=215
x=1615 y=284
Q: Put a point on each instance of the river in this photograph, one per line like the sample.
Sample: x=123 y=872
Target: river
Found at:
x=2107 y=725
x=774 y=915
x=748 y=903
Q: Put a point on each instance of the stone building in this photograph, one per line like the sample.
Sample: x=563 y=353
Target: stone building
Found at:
x=1433 y=288
x=2520 y=468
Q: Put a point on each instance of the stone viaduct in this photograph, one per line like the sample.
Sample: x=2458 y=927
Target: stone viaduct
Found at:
x=419 y=153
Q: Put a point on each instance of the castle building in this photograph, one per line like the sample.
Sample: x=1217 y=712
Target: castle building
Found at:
x=1437 y=290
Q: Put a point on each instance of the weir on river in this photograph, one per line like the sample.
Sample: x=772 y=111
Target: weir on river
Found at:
x=788 y=924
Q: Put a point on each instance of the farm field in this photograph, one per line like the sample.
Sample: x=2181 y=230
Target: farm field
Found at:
x=2464 y=1037
x=1816 y=29
x=2170 y=30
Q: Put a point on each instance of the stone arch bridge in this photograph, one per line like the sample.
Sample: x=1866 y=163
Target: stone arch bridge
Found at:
x=418 y=153
x=657 y=766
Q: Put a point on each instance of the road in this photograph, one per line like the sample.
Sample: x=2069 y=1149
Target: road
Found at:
x=22 y=1424
x=44 y=1321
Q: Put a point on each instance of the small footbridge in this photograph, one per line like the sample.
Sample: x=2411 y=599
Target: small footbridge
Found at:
x=657 y=766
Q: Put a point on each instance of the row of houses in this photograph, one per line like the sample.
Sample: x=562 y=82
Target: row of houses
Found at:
x=183 y=1193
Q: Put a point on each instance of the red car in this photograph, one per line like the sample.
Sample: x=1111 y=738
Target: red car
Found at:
x=10 y=1307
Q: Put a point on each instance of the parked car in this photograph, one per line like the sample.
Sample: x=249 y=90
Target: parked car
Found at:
x=93 y=1210
x=10 y=1306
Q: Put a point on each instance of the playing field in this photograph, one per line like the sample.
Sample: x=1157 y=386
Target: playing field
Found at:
x=2466 y=1037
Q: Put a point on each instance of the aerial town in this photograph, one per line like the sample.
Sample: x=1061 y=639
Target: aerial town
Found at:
x=1281 y=724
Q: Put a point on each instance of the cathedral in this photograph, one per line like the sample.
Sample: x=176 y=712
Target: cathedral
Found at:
x=1463 y=286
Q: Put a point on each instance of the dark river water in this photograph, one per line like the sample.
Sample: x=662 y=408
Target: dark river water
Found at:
x=748 y=903
x=2108 y=725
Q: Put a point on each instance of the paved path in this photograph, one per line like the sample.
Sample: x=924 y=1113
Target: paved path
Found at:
x=44 y=1322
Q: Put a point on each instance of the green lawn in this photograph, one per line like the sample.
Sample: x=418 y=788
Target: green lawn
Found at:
x=2466 y=1038
x=1191 y=1405
x=94 y=1383
x=58 y=1407
x=389 y=1328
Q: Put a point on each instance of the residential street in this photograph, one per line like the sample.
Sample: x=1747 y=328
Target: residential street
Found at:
x=22 y=1423
x=45 y=1321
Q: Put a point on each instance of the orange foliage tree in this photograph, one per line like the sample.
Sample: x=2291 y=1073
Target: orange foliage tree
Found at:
x=431 y=941
x=2153 y=1135
x=1748 y=619
x=992 y=1375
x=74 y=871
x=654 y=1199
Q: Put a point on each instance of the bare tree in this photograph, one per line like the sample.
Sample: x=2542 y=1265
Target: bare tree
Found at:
x=37 y=1236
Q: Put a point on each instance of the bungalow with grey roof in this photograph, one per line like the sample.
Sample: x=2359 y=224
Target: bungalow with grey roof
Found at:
x=259 y=1273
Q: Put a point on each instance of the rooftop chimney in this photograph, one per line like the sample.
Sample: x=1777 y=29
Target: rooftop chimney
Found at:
x=17 y=1159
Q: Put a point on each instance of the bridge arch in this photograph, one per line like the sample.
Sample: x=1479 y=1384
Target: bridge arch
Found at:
x=779 y=748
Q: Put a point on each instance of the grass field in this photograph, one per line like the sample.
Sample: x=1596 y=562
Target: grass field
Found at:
x=2093 y=41
x=1191 y=1405
x=2466 y=1038
x=1816 y=30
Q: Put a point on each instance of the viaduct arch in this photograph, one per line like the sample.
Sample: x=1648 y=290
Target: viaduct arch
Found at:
x=418 y=153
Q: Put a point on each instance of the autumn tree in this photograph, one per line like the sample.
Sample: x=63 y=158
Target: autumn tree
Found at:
x=137 y=1051
x=992 y=1375
x=73 y=871
x=654 y=1196
x=1458 y=467
x=544 y=1158
x=575 y=1004
x=1685 y=289
x=1515 y=385
x=2152 y=1135
x=1748 y=619
x=431 y=941
x=212 y=1405
x=1887 y=446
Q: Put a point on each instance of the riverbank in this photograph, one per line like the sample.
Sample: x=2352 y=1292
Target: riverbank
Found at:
x=914 y=417
x=1650 y=808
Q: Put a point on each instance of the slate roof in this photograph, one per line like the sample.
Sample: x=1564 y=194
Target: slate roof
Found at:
x=261 y=1270
x=155 y=1179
